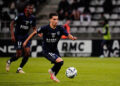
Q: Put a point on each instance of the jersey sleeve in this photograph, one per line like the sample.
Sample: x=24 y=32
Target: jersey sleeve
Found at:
x=40 y=30
x=64 y=32
x=17 y=18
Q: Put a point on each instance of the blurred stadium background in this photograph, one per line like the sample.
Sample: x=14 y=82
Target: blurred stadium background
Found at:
x=85 y=16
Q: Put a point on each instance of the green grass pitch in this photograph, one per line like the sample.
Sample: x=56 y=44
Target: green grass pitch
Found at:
x=91 y=72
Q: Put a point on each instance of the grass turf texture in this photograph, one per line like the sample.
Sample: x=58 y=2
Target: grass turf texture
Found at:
x=91 y=72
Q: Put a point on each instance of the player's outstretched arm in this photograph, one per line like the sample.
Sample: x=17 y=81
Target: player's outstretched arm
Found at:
x=30 y=36
x=12 y=31
x=71 y=37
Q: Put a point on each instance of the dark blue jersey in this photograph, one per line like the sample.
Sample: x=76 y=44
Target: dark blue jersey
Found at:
x=51 y=36
x=23 y=24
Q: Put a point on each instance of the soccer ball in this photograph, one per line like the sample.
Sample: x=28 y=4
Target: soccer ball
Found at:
x=71 y=72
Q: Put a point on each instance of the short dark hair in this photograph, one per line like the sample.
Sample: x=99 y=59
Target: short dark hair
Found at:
x=52 y=14
x=28 y=4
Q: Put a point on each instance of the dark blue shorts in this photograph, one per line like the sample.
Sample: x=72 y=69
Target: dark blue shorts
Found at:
x=20 y=40
x=51 y=55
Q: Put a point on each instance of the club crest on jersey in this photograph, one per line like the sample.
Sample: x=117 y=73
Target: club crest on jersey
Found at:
x=53 y=35
x=27 y=22
x=58 y=33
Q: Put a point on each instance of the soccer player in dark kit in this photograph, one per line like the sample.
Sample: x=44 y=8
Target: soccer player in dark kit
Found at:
x=51 y=36
x=23 y=22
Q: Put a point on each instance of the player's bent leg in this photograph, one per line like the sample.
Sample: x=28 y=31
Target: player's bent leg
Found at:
x=58 y=64
x=59 y=59
x=14 y=58
x=55 y=69
x=24 y=60
x=58 y=67
x=54 y=58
